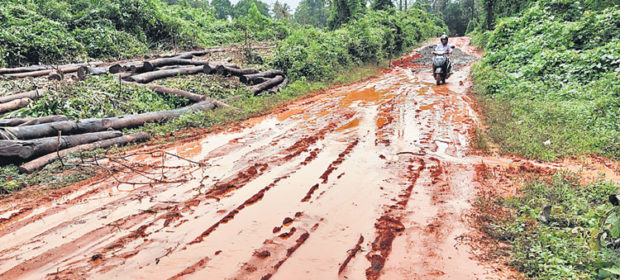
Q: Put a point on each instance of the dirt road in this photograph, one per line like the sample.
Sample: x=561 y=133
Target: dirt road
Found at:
x=365 y=181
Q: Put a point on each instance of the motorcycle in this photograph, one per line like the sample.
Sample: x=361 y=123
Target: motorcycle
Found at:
x=441 y=66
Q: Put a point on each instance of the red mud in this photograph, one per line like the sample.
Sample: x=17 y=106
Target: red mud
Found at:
x=261 y=200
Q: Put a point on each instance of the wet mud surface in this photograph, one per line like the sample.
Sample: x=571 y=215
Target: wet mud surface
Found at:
x=367 y=181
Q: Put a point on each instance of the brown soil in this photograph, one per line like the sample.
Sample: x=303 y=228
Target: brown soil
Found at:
x=373 y=180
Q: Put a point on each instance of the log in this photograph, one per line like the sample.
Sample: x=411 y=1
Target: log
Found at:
x=38 y=163
x=31 y=121
x=224 y=70
x=25 y=149
x=94 y=125
x=24 y=69
x=170 y=61
x=266 y=85
x=249 y=79
x=189 y=95
x=160 y=74
x=84 y=71
x=132 y=66
x=56 y=75
x=280 y=86
x=67 y=68
x=211 y=67
x=33 y=94
x=14 y=105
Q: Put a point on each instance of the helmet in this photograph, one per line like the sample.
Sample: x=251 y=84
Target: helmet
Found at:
x=444 y=36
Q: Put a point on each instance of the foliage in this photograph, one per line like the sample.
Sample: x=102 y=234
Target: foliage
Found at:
x=557 y=68
x=317 y=54
x=567 y=246
x=223 y=8
x=382 y=4
x=342 y=11
x=55 y=31
x=243 y=7
x=312 y=12
x=281 y=10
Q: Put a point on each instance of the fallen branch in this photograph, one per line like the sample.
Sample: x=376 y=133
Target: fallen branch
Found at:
x=266 y=85
x=154 y=75
x=31 y=121
x=33 y=94
x=94 y=125
x=38 y=163
x=14 y=105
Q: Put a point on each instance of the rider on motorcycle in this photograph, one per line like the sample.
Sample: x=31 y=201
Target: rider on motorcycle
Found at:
x=445 y=48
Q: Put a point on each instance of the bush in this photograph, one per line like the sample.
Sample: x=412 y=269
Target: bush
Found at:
x=316 y=54
x=557 y=66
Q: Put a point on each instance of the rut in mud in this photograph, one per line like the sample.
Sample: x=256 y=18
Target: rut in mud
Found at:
x=366 y=181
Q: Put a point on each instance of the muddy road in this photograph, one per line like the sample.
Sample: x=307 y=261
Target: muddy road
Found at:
x=366 y=181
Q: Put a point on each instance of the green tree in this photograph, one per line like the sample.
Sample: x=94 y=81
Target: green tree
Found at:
x=382 y=4
x=312 y=12
x=342 y=11
x=281 y=11
x=223 y=8
x=243 y=7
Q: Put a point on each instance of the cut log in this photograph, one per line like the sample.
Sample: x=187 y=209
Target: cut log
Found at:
x=189 y=95
x=68 y=68
x=25 y=149
x=39 y=163
x=224 y=70
x=266 y=85
x=250 y=79
x=33 y=94
x=14 y=105
x=280 y=86
x=31 y=121
x=94 y=125
x=56 y=75
x=170 y=61
x=132 y=66
x=211 y=67
x=84 y=71
x=24 y=69
x=154 y=75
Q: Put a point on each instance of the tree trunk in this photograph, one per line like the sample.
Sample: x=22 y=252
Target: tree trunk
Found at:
x=189 y=95
x=150 y=65
x=14 y=105
x=211 y=67
x=84 y=71
x=68 y=68
x=266 y=85
x=38 y=163
x=30 y=148
x=33 y=94
x=154 y=75
x=224 y=70
x=253 y=78
x=280 y=86
x=94 y=125
x=31 y=121
x=24 y=69
x=56 y=75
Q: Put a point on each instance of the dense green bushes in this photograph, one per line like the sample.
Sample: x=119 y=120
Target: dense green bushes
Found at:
x=317 y=54
x=556 y=68
x=50 y=31
x=567 y=246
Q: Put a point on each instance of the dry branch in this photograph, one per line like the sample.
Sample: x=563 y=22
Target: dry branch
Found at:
x=31 y=121
x=26 y=149
x=38 y=163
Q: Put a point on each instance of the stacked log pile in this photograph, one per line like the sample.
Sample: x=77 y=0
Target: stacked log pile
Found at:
x=36 y=142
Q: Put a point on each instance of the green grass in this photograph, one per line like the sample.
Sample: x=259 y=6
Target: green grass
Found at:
x=568 y=246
